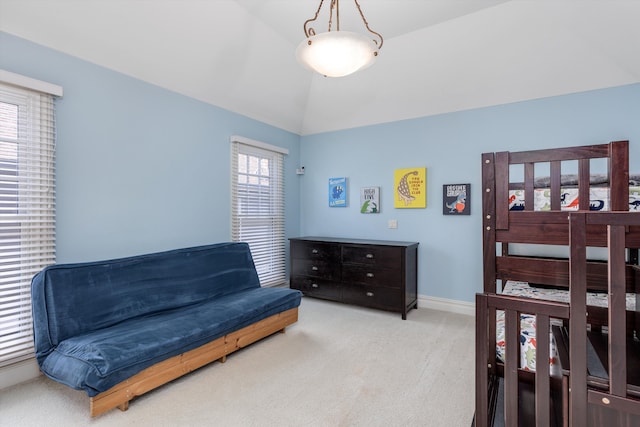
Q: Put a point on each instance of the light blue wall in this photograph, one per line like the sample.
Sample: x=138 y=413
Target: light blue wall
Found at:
x=139 y=168
x=450 y=146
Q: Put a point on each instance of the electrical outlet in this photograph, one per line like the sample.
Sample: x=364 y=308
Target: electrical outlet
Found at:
x=393 y=223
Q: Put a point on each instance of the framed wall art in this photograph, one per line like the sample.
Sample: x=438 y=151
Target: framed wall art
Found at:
x=370 y=200
x=410 y=186
x=456 y=199
x=338 y=192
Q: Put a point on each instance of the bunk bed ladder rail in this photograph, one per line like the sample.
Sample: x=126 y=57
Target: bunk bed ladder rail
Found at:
x=614 y=397
x=486 y=362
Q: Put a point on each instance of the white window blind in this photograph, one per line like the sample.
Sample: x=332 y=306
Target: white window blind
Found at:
x=257 y=207
x=27 y=211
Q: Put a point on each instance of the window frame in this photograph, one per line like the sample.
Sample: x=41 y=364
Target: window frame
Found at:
x=261 y=225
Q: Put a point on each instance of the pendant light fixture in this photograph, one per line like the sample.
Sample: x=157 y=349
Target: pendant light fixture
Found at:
x=337 y=53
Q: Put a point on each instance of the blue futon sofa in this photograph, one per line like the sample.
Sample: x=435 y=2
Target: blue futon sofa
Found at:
x=122 y=327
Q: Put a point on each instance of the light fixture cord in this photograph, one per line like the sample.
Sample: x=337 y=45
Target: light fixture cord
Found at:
x=366 y=24
x=311 y=32
x=334 y=4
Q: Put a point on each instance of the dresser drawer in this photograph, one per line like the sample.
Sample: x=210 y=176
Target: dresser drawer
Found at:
x=316 y=268
x=371 y=275
x=382 y=256
x=371 y=296
x=317 y=287
x=315 y=250
x=378 y=274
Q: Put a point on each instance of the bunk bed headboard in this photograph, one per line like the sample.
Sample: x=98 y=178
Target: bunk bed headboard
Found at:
x=527 y=226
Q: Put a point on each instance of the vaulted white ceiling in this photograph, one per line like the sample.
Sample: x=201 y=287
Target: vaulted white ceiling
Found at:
x=438 y=56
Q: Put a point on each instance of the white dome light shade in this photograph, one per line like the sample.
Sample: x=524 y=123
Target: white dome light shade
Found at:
x=337 y=53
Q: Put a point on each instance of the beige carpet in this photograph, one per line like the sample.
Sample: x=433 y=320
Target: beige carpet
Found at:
x=339 y=365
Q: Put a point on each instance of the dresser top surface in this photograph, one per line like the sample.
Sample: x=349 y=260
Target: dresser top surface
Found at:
x=353 y=241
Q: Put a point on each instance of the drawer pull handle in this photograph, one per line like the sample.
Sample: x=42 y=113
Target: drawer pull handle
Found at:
x=369 y=294
x=314 y=268
x=314 y=285
x=369 y=275
x=369 y=256
x=314 y=251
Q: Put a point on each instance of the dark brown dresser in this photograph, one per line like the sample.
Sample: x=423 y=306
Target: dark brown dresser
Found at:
x=372 y=273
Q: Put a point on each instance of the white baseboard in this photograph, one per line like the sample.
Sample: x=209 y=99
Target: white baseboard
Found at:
x=18 y=373
x=443 y=304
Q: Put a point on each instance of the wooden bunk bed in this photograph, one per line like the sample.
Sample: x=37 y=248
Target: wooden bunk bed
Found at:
x=594 y=375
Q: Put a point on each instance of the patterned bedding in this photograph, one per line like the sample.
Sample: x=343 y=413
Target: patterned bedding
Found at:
x=598 y=199
x=528 y=322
